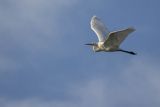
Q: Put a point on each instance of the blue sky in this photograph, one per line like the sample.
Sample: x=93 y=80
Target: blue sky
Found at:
x=44 y=62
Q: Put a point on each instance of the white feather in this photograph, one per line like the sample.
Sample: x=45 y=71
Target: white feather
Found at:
x=117 y=37
x=99 y=28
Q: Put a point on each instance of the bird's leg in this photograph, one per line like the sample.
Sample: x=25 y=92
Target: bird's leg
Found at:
x=129 y=52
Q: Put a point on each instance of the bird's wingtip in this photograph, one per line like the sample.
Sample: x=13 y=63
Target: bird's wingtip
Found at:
x=132 y=28
x=94 y=17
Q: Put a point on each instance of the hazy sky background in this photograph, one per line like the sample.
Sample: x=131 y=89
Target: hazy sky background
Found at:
x=44 y=62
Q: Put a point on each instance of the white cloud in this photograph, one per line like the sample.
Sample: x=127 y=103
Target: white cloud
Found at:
x=36 y=103
x=28 y=27
x=137 y=85
x=28 y=23
x=33 y=22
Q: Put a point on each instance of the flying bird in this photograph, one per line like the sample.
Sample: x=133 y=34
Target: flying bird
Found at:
x=108 y=41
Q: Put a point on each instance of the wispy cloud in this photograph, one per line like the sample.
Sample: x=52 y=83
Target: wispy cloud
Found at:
x=32 y=21
x=34 y=42
x=30 y=26
x=136 y=85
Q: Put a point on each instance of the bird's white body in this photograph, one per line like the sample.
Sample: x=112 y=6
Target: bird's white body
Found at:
x=102 y=47
x=108 y=41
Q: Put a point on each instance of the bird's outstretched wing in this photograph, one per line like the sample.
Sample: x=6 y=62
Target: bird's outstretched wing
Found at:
x=116 y=38
x=99 y=28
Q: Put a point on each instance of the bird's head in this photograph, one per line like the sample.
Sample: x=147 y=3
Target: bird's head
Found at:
x=95 y=46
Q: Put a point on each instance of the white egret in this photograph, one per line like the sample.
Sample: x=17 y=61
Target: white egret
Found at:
x=108 y=41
